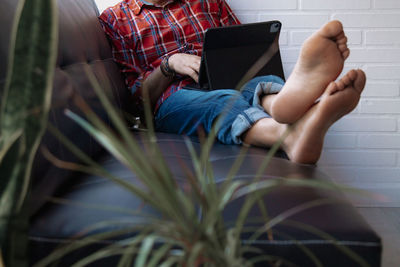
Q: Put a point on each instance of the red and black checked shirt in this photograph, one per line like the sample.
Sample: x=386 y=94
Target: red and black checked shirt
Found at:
x=143 y=34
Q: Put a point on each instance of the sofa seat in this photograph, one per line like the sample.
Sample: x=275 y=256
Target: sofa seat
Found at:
x=91 y=200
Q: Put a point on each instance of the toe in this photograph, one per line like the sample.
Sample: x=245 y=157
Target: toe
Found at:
x=349 y=78
x=333 y=29
x=342 y=40
x=346 y=54
x=343 y=47
x=332 y=88
x=359 y=82
x=340 y=84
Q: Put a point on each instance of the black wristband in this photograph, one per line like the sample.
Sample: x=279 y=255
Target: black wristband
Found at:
x=165 y=69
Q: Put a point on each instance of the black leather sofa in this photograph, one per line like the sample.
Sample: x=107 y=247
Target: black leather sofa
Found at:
x=82 y=43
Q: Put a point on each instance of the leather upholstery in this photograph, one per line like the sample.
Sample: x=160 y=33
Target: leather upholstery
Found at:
x=93 y=198
x=83 y=44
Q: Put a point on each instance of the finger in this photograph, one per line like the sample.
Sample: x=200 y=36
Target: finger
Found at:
x=195 y=59
x=194 y=75
x=195 y=66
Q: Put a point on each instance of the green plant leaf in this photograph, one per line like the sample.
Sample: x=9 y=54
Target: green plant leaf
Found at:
x=25 y=106
x=195 y=254
x=78 y=242
x=158 y=255
x=8 y=155
x=171 y=261
x=145 y=251
x=290 y=212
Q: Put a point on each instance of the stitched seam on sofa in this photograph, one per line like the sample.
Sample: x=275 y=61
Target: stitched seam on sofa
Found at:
x=311 y=242
x=177 y=177
x=67 y=241
x=105 y=180
x=249 y=176
x=257 y=242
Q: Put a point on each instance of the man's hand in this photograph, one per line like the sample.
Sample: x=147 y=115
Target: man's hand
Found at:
x=185 y=64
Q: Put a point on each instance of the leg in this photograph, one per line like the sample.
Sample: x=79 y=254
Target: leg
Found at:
x=260 y=91
x=305 y=140
x=188 y=111
x=264 y=133
x=321 y=61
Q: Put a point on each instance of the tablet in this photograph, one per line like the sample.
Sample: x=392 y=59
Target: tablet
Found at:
x=229 y=52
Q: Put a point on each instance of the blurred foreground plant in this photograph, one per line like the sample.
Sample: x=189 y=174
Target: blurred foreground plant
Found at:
x=24 y=110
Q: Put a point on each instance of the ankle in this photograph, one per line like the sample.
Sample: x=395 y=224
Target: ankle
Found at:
x=267 y=102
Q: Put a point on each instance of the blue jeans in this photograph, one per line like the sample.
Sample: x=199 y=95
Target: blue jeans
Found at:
x=188 y=111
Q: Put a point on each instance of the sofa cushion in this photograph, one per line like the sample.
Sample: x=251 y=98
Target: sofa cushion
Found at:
x=93 y=200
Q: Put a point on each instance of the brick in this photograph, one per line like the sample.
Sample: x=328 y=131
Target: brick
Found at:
x=358 y=158
x=378 y=20
x=298 y=37
x=382 y=194
x=297 y=20
x=262 y=4
x=378 y=174
x=383 y=72
x=247 y=17
x=283 y=38
x=382 y=141
x=289 y=55
x=398 y=129
x=340 y=174
x=335 y=4
x=374 y=55
x=365 y=124
x=380 y=106
x=354 y=37
x=381 y=89
x=387 y=4
x=398 y=160
x=383 y=37
x=340 y=141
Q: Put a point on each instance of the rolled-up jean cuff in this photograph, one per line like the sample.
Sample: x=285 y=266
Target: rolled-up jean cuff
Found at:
x=265 y=88
x=245 y=121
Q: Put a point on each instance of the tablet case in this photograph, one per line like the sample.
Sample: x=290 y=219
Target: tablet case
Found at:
x=230 y=52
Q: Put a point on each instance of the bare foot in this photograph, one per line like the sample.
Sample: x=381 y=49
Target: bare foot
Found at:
x=321 y=61
x=304 y=142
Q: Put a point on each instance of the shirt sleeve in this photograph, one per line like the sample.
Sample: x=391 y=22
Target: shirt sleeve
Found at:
x=123 y=53
x=227 y=17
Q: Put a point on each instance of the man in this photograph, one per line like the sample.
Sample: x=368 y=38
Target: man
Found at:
x=158 y=45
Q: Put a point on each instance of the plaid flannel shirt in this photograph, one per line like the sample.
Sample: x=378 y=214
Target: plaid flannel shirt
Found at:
x=142 y=34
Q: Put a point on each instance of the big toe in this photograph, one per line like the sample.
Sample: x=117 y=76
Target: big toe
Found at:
x=359 y=82
x=347 y=79
x=333 y=29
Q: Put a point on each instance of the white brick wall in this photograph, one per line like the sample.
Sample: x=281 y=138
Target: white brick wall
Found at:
x=363 y=149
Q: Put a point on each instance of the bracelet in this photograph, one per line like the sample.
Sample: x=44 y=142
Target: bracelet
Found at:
x=165 y=69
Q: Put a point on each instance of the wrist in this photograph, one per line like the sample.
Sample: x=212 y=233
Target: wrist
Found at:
x=166 y=69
